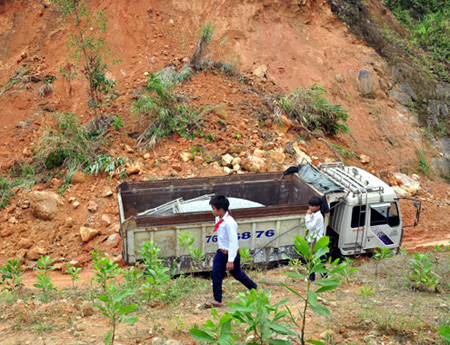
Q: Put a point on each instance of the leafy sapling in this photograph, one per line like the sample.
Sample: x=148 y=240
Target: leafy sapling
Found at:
x=115 y=310
x=43 y=270
x=104 y=268
x=186 y=240
x=73 y=272
x=11 y=276
x=215 y=331
x=262 y=318
x=421 y=276
x=313 y=263
x=155 y=273
x=381 y=254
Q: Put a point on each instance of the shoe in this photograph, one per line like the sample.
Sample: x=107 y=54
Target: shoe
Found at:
x=214 y=304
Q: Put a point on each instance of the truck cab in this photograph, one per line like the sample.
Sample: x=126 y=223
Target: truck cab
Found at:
x=365 y=216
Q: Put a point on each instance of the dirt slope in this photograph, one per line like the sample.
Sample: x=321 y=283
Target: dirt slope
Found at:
x=300 y=45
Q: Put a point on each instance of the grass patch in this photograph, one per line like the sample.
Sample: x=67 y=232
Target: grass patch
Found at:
x=312 y=109
x=168 y=113
x=343 y=152
x=69 y=145
x=17 y=77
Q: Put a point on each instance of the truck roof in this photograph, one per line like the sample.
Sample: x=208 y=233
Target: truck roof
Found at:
x=362 y=187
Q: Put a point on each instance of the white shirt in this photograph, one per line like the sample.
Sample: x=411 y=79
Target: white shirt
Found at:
x=227 y=238
x=314 y=223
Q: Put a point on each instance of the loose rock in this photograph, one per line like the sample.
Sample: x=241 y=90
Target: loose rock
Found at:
x=87 y=233
x=92 y=206
x=45 y=205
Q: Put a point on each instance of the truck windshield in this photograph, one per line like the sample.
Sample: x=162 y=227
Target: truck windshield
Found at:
x=379 y=215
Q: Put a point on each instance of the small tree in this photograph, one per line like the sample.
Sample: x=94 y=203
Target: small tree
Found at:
x=115 y=310
x=11 y=276
x=88 y=49
x=313 y=263
x=44 y=280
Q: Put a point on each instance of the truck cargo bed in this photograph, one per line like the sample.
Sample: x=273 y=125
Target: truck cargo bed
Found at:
x=259 y=228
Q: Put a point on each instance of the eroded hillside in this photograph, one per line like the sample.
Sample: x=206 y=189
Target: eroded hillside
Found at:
x=277 y=47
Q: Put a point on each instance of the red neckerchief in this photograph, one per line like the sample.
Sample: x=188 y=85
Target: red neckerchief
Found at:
x=220 y=222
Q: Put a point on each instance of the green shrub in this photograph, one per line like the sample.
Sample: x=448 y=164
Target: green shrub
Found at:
x=67 y=143
x=311 y=108
x=6 y=190
x=11 y=276
x=423 y=166
x=168 y=112
x=421 y=276
x=204 y=36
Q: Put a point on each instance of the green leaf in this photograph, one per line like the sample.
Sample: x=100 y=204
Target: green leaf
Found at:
x=226 y=339
x=327 y=284
x=444 y=332
x=315 y=342
x=320 y=310
x=104 y=299
x=290 y=289
x=241 y=308
x=226 y=318
x=280 y=329
x=202 y=336
x=131 y=320
x=301 y=246
x=279 y=342
x=312 y=298
x=322 y=243
x=127 y=309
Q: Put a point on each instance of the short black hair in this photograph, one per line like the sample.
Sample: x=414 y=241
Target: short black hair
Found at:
x=315 y=201
x=220 y=201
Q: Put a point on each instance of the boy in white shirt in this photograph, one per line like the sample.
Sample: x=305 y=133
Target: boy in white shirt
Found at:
x=314 y=225
x=227 y=256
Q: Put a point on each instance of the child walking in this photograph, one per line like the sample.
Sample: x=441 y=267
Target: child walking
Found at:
x=227 y=256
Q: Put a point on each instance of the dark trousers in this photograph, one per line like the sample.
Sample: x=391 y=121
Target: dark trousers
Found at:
x=312 y=276
x=219 y=270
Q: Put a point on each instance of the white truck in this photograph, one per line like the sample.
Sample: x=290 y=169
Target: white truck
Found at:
x=361 y=213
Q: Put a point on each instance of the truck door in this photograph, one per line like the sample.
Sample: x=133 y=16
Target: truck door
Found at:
x=384 y=226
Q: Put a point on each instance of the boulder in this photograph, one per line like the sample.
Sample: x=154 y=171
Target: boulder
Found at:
x=198 y=160
x=365 y=159
x=227 y=159
x=108 y=193
x=106 y=220
x=6 y=232
x=25 y=243
x=185 y=156
x=92 y=206
x=408 y=184
x=283 y=125
x=35 y=253
x=260 y=71
x=275 y=156
x=366 y=84
x=87 y=233
x=254 y=164
x=134 y=169
x=259 y=153
x=45 y=205
x=20 y=255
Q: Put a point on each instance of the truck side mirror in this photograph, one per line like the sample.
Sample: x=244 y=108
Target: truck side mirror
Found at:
x=418 y=205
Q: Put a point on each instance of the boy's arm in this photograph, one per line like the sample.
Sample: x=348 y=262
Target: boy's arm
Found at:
x=231 y=229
